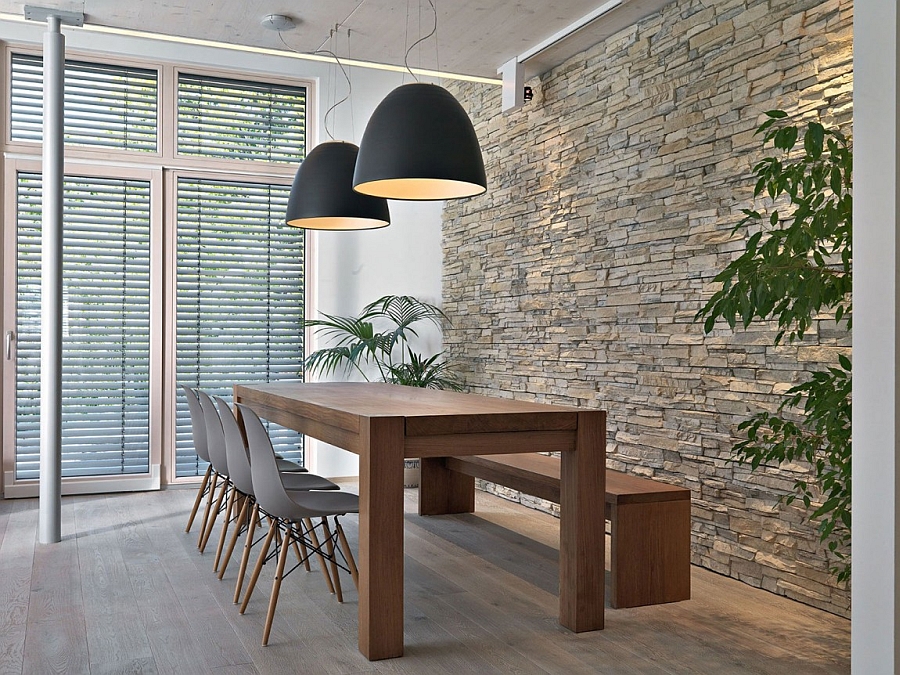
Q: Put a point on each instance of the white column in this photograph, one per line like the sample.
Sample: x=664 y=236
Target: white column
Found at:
x=50 y=503
x=875 y=341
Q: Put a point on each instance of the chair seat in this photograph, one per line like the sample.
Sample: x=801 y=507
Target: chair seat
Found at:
x=320 y=504
x=287 y=466
x=306 y=481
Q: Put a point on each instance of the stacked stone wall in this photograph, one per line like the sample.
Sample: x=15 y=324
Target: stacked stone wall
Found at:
x=611 y=204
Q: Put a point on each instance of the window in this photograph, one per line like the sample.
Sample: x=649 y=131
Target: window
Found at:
x=234 y=119
x=158 y=226
x=240 y=277
x=106 y=326
x=105 y=105
x=240 y=297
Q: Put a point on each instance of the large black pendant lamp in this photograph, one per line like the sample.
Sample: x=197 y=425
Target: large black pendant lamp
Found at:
x=419 y=144
x=322 y=197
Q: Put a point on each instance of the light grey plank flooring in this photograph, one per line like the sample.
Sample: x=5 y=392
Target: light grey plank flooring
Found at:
x=55 y=635
x=16 y=558
x=127 y=592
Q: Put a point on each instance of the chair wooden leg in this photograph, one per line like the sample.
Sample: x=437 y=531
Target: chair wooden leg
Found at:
x=208 y=510
x=273 y=527
x=276 y=586
x=315 y=540
x=329 y=547
x=300 y=556
x=351 y=563
x=305 y=551
x=238 y=528
x=213 y=516
x=200 y=492
x=245 y=556
x=233 y=495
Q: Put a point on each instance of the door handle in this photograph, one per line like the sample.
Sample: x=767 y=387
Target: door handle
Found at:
x=10 y=336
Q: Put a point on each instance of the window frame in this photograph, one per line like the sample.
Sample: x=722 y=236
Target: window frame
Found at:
x=166 y=156
x=170 y=300
x=162 y=167
x=100 y=65
x=16 y=487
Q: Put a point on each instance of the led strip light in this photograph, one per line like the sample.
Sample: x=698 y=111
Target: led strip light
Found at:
x=127 y=32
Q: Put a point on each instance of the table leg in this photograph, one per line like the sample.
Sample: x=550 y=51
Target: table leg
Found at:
x=381 y=538
x=444 y=491
x=582 y=547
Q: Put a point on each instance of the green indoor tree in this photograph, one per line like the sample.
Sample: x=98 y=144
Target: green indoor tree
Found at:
x=377 y=342
x=797 y=265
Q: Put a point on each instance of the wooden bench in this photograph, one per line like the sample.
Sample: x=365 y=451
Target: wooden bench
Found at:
x=650 y=557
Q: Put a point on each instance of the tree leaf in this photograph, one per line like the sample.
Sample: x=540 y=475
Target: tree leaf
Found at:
x=814 y=139
x=785 y=138
x=792 y=272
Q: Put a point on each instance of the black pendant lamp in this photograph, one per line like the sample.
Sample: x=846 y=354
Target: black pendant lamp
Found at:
x=322 y=197
x=419 y=145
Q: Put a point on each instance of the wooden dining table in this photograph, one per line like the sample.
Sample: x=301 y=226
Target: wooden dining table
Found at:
x=385 y=424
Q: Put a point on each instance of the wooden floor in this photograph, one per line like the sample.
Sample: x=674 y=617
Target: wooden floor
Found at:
x=127 y=592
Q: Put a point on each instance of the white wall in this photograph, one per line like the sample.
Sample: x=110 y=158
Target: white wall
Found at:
x=876 y=516
x=356 y=268
x=349 y=269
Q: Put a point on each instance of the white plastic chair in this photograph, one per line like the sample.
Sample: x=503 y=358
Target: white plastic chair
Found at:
x=289 y=511
x=210 y=478
x=242 y=478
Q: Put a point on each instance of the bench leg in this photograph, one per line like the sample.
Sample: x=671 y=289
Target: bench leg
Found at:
x=651 y=553
x=444 y=491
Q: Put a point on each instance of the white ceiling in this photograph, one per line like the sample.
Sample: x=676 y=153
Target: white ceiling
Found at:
x=474 y=37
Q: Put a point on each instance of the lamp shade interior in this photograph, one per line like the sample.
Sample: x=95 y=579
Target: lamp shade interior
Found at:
x=420 y=145
x=322 y=196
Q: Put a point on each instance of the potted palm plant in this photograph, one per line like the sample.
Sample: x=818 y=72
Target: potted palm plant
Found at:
x=375 y=345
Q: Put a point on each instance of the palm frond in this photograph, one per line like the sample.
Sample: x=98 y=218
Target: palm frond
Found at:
x=356 y=343
x=404 y=311
x=328 y=361
x=425 y=372
x=344 y=328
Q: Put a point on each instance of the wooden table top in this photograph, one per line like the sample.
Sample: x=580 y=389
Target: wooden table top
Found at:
x=422 y=407
x=378 y=399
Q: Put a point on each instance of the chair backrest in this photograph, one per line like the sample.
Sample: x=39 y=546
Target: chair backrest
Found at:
x=269 y=490
x=198 y=424
x=215 y=436
x=235 y=450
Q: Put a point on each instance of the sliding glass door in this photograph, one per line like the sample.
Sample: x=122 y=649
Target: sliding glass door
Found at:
x=106 y=330
x=239 y=297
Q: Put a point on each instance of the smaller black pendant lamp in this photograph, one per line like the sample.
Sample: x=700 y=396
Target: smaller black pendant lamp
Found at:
x=322 y=197
x=419 y=144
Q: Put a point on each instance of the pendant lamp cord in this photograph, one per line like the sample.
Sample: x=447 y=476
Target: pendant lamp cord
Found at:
x=420 y=40
x=350 y=86
x=330 y=53
x=437 y=54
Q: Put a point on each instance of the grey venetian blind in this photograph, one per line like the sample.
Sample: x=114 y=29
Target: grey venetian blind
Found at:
x=234 y=119
x=105 y=105
x=240 y=298
x=106 y=326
